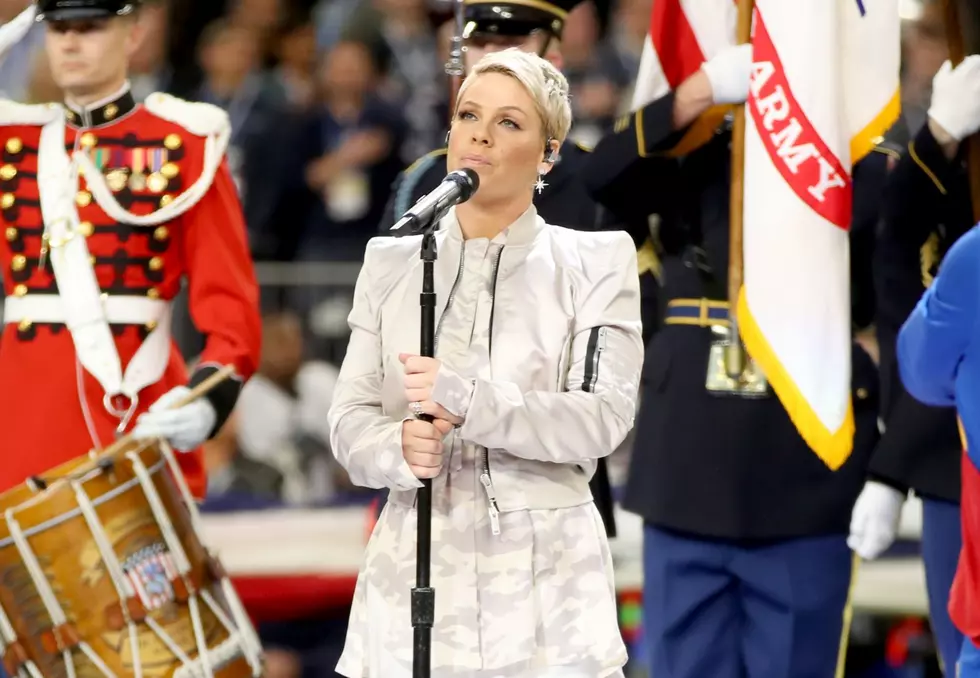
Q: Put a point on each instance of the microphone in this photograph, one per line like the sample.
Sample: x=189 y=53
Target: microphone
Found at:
x=458 y=186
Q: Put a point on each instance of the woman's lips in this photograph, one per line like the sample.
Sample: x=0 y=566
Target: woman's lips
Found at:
x=477 y=160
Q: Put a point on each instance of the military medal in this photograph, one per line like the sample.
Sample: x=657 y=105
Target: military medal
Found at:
x=157 y=183
x=117 y=179
x=137 y=180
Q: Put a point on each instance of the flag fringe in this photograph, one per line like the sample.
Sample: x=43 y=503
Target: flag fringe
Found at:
x=833 y=447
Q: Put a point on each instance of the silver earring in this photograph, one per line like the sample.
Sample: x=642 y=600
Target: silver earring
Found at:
x=540 y=184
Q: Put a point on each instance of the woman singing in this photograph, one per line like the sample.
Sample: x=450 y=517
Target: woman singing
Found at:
x=538 y=362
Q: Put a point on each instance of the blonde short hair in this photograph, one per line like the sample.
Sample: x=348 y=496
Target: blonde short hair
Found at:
x=545 y=83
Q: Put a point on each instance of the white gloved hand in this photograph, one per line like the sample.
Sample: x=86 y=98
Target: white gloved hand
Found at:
x=874 y=520
x=185 y=428
x=729 y=73
x=956 y=98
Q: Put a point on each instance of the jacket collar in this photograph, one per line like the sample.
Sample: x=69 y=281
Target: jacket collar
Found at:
x=522 y=232
x=101 y=112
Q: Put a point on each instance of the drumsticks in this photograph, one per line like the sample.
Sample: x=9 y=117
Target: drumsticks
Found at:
x=197 y=392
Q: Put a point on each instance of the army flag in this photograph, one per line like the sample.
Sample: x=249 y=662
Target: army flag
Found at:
x=824 y=87
x=682 y=35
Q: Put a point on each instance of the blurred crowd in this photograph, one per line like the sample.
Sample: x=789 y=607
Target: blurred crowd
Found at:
x=330 y=99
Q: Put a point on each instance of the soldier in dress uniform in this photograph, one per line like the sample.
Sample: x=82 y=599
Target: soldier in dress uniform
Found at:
x=927 y=208
x=747 y=571
x=491 y=26
x=106 y=207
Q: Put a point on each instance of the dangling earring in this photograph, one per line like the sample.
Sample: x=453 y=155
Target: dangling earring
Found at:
x=540 y=184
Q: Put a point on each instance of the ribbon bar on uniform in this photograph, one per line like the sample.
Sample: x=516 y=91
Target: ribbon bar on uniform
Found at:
x=697 y=312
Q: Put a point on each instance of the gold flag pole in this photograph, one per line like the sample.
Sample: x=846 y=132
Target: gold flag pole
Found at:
x=735 y=351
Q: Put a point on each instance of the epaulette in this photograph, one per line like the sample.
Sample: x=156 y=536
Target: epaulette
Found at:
x=200 y=119
x=888 y=147
x=582 y=147
x=14 y=113
x=403 y=195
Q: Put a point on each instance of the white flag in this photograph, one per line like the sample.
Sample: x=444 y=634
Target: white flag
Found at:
x=824 y=87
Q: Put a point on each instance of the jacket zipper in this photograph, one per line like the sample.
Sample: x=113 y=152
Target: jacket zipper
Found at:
x=594 y=349
x=485 y=479
x=452 y=295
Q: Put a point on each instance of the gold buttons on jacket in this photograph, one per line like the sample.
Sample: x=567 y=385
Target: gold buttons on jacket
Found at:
x=153 y=293
x=862 y=393
x=86 y=228
x=172 y=142
x=20 y=290
x=11 y=234
x=7 y=201
x=170 y=170
x=8 y=172
x=156 y=263
x=14 y=145
x=110 y=111
x=150 y=326
x=18 y=262
x=92 y=260
x=166 y=200
x=161 y=233
x=83 y=199
x=89 y=140
x=24 y=325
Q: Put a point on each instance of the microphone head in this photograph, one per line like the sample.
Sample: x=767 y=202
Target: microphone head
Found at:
x=467 y=180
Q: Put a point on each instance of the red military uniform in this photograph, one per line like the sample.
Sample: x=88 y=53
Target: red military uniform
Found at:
x=147 y=162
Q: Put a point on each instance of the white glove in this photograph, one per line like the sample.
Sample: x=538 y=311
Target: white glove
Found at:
x=729 y=73
x=874 y=520
x=956 y=98
x=185 y=428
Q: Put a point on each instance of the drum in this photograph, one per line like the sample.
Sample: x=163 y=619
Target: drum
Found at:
x=102 y=573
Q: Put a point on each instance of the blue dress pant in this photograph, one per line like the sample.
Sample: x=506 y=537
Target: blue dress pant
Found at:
x=714 y=609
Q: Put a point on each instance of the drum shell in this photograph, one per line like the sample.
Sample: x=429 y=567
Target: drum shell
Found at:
x=62 y=540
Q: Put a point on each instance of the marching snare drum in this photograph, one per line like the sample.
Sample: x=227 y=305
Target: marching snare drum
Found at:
x=102 y=573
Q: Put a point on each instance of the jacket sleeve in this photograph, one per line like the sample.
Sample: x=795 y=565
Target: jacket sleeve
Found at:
x=935 y=338
x=596 y=411
x=367 y=442
x=223 y=292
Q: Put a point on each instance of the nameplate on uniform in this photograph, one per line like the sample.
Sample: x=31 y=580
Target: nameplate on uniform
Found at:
x=751 y=384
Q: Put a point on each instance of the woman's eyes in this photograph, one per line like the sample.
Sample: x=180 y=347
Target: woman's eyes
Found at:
x=506 y=122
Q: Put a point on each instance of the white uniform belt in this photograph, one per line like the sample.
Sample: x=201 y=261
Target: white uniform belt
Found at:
x=120 y=310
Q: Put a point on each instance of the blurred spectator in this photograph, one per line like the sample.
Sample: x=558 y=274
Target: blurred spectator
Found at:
x=18 y=67
x=622 y=46
x=924 y=49
x=353 y=140
x=149 y=70
x=268 y=179
x=234 y=480
x=296 y=70
x=403 y=31
x=264 y=18
x=283 y=414
x=595 y=92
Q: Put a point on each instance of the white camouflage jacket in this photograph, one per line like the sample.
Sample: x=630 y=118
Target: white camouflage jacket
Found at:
x=555 y=390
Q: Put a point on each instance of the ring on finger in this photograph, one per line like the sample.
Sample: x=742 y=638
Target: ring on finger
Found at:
x=416 y=408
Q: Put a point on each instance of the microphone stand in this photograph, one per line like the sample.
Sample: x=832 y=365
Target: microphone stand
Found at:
x=423 y=595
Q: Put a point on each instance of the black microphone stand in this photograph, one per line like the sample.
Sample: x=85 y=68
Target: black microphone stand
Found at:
x=423 y=595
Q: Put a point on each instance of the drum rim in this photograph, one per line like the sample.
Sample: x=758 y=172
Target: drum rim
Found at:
x=77 y=511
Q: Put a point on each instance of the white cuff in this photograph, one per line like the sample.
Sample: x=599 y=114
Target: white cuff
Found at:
x=453 y=391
